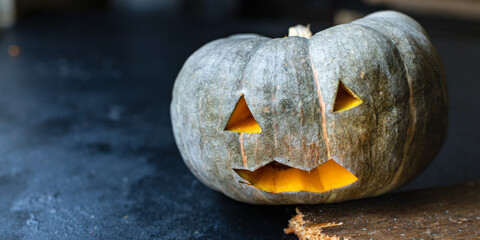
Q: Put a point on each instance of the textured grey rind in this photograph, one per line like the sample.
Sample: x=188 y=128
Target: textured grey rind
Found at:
x=290 y=85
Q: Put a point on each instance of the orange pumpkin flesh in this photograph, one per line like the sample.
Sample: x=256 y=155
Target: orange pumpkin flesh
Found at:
x=345 y=99
x=242 y=119
x=277 y=178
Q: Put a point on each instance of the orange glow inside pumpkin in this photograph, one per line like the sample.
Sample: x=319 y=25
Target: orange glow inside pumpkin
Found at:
x=242 y=119
x=278 y=178
x=345 y=99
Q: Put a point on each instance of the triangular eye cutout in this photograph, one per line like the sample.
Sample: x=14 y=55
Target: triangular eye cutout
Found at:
x=345 y=99
x=242 y=120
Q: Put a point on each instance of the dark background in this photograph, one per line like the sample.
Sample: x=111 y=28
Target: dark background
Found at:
x=86 y=146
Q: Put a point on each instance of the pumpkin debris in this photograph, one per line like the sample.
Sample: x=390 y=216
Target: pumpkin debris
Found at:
x=304 y=231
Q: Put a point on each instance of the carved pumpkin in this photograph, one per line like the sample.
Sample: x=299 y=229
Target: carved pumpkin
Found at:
x=356 y=110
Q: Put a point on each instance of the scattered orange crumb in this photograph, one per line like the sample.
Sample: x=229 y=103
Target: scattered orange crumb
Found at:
x=13 y=51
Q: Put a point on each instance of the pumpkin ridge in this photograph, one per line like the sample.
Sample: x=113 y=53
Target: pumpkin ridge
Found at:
x=200 y=54
x=322 y=107
x=242 y=149
x=252 y=54
x=300 y=81
x=413 y=114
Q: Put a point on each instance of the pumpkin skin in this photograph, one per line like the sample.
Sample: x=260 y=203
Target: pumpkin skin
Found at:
x=290 y=86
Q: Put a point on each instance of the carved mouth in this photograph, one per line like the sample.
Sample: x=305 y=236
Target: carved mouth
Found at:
x=279 y=178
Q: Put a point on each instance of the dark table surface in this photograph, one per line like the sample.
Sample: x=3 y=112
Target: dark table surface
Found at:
x=86 y=147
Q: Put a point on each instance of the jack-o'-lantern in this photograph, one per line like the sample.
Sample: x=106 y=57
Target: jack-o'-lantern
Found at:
x=355 y=110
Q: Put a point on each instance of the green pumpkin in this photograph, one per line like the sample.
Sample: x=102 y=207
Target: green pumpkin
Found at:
x=353 y=111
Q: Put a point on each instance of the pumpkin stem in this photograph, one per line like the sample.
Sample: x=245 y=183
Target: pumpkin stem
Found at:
x=300 y=31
